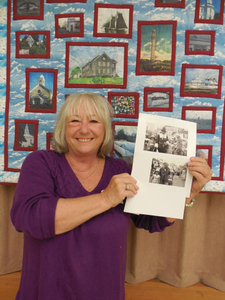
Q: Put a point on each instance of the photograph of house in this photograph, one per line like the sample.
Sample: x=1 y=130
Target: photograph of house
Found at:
x=101 y=65
x=25 y=138
x=32 y=44
x=40 y=96
x=96 y=64
x=69 y=25
x=209 y=9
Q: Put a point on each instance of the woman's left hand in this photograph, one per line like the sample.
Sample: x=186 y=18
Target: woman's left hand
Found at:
x=199 y=168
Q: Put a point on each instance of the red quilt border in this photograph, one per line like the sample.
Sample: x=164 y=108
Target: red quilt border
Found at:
x=135 y=95
x=47 y=55
x=197 y=32
x=121 y=6
x=83 y=85
x=205 y=95
x=145 y=104
x=174 y=28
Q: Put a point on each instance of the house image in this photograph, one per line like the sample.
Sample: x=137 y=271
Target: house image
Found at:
x=102 y=65
x=72 y=24
x=27 y=139
x=40 y=96
x=207 y=10
x=30 y=40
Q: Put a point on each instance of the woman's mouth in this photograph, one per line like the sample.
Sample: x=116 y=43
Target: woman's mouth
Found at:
x=84 y=140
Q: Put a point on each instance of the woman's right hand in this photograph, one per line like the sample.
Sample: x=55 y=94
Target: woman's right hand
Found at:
x=120 y=187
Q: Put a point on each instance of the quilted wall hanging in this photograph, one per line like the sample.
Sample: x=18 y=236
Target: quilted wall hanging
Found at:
x=162 y=57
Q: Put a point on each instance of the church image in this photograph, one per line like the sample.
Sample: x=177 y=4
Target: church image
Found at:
x=207 y=11
x=40 y=96
x=26 y=139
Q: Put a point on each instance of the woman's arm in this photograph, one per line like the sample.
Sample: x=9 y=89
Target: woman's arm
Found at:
x=71 y=213
x=40 y=212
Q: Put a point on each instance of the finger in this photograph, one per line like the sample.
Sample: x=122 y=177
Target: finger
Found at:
x=198 y=159
x=131 y=187
x=201 y=179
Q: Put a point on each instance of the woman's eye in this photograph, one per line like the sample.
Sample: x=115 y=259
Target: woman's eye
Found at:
x=94 y=121
x=75 y=121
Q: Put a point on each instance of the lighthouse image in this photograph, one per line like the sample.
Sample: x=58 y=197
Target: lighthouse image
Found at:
x=153 y=45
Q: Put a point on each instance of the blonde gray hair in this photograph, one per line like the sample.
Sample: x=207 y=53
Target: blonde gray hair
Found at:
x=93 y=104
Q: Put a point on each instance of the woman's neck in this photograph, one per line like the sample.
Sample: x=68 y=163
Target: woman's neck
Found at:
x=81 y=164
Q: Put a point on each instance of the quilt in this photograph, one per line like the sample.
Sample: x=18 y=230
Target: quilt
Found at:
x=159 y=57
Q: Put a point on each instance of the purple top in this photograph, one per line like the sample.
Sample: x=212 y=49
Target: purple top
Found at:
x=88 y=262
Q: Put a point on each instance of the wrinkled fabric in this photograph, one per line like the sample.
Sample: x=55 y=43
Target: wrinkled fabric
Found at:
x=87 y=262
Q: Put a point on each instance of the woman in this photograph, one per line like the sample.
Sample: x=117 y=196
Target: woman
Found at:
x=68 y=203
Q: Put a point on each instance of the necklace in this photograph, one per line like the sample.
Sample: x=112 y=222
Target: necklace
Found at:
x=84 y=179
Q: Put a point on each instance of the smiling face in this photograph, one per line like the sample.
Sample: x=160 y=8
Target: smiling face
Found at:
x=84 y=133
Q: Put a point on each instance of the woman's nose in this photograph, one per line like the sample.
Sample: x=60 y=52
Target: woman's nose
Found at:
x=84 y=126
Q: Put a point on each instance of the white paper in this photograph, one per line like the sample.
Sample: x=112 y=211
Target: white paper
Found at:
x=154 y=197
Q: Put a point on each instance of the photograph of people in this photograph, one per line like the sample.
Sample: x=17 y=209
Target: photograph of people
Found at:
x=69 y=205
x=168 y=173
x=166 y=139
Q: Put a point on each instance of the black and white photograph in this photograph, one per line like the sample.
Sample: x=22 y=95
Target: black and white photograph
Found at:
x=168 y=173
x=158 y=99
x=113 y=20
x=28 y=7
x=200 y=42
x=163 y=148
x=204 y=117
x=26 y=135
x=23 y=9
x=166 y=139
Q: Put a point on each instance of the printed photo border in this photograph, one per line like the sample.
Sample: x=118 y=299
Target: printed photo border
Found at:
x=209 y=148
x=17 y=122
x=72 y=34
x=96 y=85
x=209 y=21
x=145 y=105
x=54 y=96
x=28 y=17
x=114 y=124
x=196 y=94
x=46 y=33
x=173 y=42
x=98 y=6
x=198 y=32
x=202 y=108
x=136 y=104
x=179 y=5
